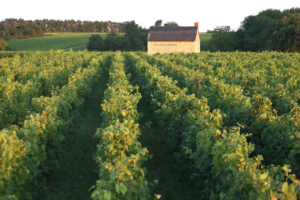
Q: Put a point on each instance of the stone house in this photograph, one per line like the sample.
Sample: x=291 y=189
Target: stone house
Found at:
x=169 y=39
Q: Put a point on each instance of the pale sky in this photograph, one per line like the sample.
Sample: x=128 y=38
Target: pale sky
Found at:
x=209 y=13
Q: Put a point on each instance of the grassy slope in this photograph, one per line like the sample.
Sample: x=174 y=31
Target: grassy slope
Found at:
x=204 y=37
x=78 y=171
x=51 y=41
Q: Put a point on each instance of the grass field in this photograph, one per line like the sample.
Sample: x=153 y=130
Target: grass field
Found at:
x=53 y=41
x=64 y=40
x=204 y=37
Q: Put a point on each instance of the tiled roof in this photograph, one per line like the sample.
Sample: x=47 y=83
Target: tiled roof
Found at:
x=172 y=33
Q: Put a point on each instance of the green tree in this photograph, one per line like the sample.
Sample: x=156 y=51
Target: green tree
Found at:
x=135 y=39
x=96 y=43
x=223 y=39
x=171 y=24
x=137 y=36
x=126 y=44
x=158 y=22
x=255 y=31
x=113 y=42
x=287 y=38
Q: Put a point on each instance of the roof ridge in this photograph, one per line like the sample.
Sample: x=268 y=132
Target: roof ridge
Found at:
x=172 y=33
x=173 y=26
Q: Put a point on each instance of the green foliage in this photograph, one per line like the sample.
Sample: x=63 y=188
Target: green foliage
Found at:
x=76 y=164
x=96 y=43
x=137 y=36
x=287 y=37
x=135 y=39
x=120 y=155
x=243 y=95
x=18 y=28
x=231 y=119
x=113 y=42
x=18 y=87
x=256 y=31
x=172 y=23
x=158 y=22
x=223 y=39
x=13 y=28
x=269 y=30
x=222 y=159
x=52 y=41
x=205 y=38
x=34 y=146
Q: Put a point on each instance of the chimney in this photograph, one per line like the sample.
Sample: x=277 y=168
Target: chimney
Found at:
x=197 y=24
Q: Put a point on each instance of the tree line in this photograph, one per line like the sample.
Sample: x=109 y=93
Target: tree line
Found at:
x=19 y=28
x=270 y=30
x=134 y=39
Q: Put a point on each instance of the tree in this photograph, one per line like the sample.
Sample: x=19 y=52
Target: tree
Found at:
x=223 y=39
x=137 y=36
x=222 y=29
x=158 y=22
x=171 y=24
x=96 y=43
x=135 y=39
x=255 y=31
x=113 y=42
x=3 y=44
x=126 y=44
x=287 y=38
x=105 y=27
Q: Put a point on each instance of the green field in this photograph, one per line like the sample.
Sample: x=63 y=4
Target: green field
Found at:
x=53 y=41
x=64 y=40
x=205 y=37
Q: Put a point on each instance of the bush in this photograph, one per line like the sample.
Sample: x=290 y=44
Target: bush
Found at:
x=114 y=42
x=135 y=39
x=96 y=43
x=223 y=40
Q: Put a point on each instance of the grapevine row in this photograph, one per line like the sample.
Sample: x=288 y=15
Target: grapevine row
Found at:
x=16 y=91
x=221 y=158
x=255 y=113
x=273 y=75
x=120 y=155
x=31 y=151
x=26 y=68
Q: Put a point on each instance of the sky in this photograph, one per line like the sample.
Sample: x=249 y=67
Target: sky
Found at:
x=209 y=13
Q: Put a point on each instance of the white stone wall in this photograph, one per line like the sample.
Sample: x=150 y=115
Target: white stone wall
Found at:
x=197 y=43
x=170 y=47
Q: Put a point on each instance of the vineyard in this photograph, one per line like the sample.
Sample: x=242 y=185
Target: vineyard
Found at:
x=230 y=122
